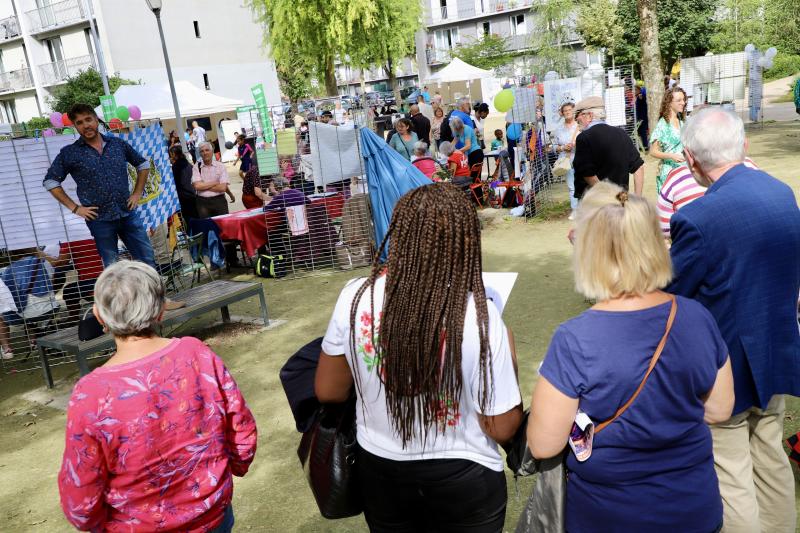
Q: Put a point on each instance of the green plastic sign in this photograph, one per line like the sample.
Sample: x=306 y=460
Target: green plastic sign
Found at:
x=109 y=105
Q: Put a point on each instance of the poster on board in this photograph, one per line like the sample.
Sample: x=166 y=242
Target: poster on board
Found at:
x=615 y=106
x=556 y=94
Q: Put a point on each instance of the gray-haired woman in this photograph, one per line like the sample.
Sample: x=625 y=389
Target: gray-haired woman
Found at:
x=466 y=141
x=154 y=435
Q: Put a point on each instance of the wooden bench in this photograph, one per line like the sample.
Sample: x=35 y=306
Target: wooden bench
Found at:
x=199 y=300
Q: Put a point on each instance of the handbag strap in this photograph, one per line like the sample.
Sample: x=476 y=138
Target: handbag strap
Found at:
x=672 y=312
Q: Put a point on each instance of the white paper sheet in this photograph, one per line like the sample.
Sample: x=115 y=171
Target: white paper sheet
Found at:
x=615 y=106
x=334 y=153
x=498 y=287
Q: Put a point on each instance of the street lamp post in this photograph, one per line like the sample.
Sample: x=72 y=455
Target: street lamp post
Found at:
x=155 y=7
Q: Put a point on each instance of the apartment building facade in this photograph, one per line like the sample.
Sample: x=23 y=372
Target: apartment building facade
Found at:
x=213 y=44
x=452 y=22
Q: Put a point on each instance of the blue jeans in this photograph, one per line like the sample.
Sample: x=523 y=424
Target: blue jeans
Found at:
x=226 y=526
x=573 y=202
x=129 y=230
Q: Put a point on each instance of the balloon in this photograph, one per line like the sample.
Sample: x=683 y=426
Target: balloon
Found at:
x=749 y=48
x=55 y=120
x=67 y=131
x=760 y=61
x=123 y=113
x=65 y=120
x=115 y=124
x=504 y=100
x=771 y=52
x=514 y=132
x=550 y=76
x=49 y=132
x=136 y=113
x=229 y=145
x=768 y=63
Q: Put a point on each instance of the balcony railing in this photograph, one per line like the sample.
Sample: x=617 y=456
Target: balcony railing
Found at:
x=518 y=42
x=15 y=80
x=9 y=28
x=498 y=6
x=59 y=71
x=436 y=56
x=55 y=15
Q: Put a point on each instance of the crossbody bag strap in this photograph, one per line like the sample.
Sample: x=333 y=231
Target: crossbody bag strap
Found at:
x=673 y=310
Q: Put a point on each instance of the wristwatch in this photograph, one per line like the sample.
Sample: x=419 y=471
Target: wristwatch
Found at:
x=75 y=209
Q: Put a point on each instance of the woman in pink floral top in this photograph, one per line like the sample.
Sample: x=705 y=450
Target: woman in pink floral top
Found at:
x=155 y=435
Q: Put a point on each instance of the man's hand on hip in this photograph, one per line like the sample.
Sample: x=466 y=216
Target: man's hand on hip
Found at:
x=87 y=213
x=133 y=201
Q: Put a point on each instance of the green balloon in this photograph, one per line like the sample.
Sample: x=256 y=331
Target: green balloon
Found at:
x=67 y=131
x=504 y=100
x=123 y=114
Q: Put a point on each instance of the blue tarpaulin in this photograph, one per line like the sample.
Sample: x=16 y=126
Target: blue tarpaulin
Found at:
x=390 y=176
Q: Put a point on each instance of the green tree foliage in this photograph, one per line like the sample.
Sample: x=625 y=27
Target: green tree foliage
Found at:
x=764 y=23
x=295 y=79
x=684 y=29
x=549 y=39
x=320 y=31
x=488 y=52
x=85 y=87
x=386 y=38
x=599 y=26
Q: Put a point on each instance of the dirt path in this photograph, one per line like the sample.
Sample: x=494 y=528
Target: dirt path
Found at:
x=274 y=495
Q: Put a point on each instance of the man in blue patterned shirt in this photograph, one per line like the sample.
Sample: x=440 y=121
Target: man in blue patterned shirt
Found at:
x=99 y=166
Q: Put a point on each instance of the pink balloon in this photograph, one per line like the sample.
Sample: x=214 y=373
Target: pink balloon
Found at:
x=55 y=120
x=136 y=113
x=49 y=132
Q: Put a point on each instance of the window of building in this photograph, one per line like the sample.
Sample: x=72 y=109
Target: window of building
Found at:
x=446 y=39
x=443 y=8
x=518 y=25
x=487 y=28
x=205 y=82
x=196 y=29
x=10 y=111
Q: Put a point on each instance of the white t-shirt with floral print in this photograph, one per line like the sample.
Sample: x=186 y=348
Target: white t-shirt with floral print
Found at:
x=463 y=437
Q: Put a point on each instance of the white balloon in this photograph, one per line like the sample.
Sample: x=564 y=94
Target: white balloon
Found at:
x=771 y=52
x=550 y=76
x=760 y=62
x=749 y=48
x=768 y=63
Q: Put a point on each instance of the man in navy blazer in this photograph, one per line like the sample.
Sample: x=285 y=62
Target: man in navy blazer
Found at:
x=736 y=250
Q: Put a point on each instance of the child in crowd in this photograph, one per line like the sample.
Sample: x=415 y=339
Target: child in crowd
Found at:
x=456 y=160
x=287 y=170
x=245 y=155
x=497 y=142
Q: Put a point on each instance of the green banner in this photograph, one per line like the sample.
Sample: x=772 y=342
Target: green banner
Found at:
x=260 y=98
x=109 y=105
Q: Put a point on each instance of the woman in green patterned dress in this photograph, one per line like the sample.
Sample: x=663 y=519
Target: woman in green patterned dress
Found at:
x=665 y=142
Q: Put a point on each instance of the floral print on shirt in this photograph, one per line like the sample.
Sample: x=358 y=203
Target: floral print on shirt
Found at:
x=152 y=445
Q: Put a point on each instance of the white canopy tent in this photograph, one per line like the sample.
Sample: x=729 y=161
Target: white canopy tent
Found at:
x=155 y=100
x=461 y=77
x=458 y=70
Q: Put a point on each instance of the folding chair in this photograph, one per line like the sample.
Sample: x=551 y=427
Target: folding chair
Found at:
x=191 y=244
x=475 y=173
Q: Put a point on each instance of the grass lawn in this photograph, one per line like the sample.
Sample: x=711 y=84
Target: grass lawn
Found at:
x=274 y=496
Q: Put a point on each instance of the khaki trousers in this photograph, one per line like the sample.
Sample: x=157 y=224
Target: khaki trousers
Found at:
x=755 y=478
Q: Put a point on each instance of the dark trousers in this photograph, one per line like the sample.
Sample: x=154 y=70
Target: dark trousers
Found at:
x=435 y=495
x=474 y=158
x=211 y=207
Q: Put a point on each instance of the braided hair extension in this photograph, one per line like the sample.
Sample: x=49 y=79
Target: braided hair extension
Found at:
x=434 y=264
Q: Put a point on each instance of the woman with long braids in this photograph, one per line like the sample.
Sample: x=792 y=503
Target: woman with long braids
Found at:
x=434 y=370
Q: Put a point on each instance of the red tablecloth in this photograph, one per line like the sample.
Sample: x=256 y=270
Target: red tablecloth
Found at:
x=251 y=225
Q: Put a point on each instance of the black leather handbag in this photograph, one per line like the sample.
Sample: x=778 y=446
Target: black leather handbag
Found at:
x=89 y=327
x=328 y=453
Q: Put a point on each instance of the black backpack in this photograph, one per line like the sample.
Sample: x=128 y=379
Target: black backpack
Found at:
x=270 y=266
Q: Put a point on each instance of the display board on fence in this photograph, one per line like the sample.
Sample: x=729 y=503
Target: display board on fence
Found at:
x=30 y=216
x=556 y=94
x=334 y=153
